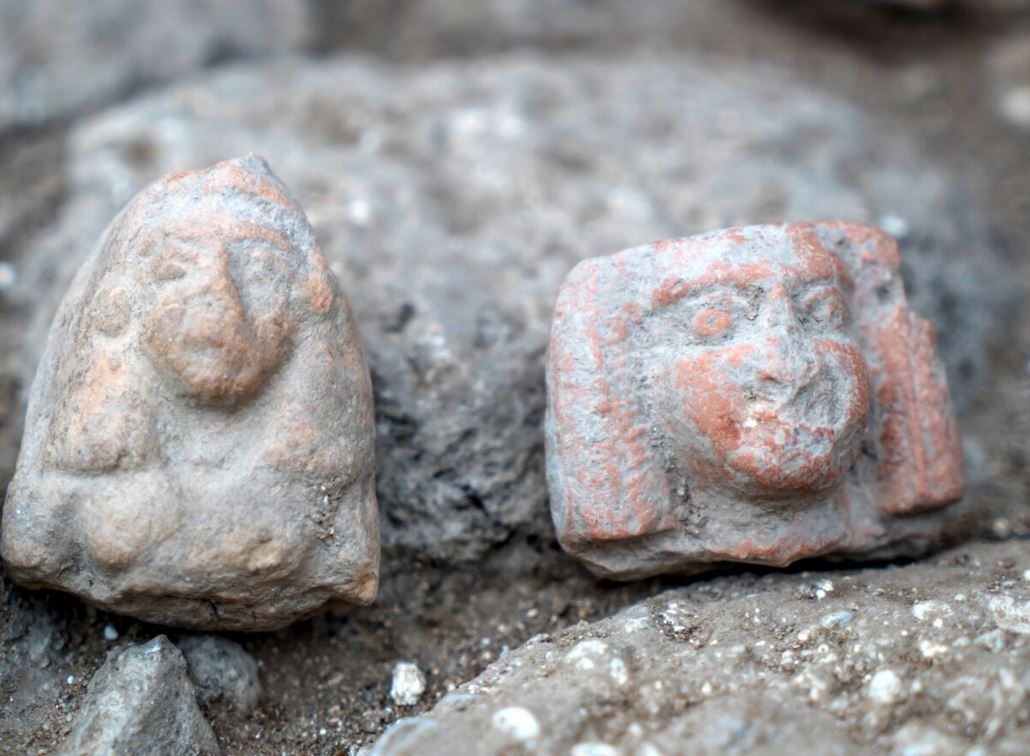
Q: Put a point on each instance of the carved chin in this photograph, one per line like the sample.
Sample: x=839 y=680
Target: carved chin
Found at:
x=801 y=443
x=215 y=376
x=780 y=459
x=227 y=371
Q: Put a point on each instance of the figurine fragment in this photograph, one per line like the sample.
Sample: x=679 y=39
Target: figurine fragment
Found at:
x=760 y=394
x=199 y=444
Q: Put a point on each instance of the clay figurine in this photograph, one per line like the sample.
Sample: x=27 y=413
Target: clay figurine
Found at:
x=758 y=394
x=199 y=443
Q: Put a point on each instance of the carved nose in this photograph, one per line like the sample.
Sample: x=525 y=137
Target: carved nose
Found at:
x=778 y=367
x=788 y=361
x=787 y=357
x=219 y=292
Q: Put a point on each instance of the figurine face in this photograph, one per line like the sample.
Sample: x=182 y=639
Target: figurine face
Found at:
x=768 y=392
x=221 y=321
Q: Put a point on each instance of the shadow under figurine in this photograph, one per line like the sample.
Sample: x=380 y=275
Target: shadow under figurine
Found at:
x=199 y=443
x=759 y=394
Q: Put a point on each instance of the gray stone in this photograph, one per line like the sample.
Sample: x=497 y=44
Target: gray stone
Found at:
x=451 y=200
x=221 y=671
x=57 y=58
x=200 y=441
x=141 y=701
x=827 y=662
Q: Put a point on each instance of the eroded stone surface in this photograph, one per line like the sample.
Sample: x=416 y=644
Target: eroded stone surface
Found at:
x=200 y=443
x=761 y=394
x=141 y=701
x=933 y=657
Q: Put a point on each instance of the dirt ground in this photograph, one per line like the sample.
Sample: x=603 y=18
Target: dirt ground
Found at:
x=326 y=681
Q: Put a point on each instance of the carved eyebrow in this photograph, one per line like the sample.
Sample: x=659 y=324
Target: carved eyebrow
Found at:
x=745 y=277
x=843 y=285
x=715 y=292
x=266 y=237
x=822 y=281
x=827 y=269
x=217 y=226
x=674 y=292
x=247 y=257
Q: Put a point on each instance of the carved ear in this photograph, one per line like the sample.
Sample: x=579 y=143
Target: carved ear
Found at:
x=920 y=453
x=606 y=483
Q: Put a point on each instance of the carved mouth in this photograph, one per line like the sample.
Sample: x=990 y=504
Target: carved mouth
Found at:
x=813 y=404
x=790 y=444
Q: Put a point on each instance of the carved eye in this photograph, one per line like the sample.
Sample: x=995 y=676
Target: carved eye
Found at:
x=716 y=313
x=262 y=277
x=711 y=322
x=171 y=263
x=823 y=307
x=264 y=267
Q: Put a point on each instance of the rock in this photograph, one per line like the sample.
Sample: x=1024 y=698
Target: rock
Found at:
x=452 y=200
x=408 y=684
x=761 y=664
x=760 y=394
x=200 y=445
x=141 y=701
x=221 y=671
x=56 y=59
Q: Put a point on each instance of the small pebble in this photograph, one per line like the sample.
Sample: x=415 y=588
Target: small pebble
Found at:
x=895 y=225
x=110 y=634
x=885 y=687
x=517 y=722
x=836 y=619
x=1001 y=528
x=8 y=276
x=408 y=684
